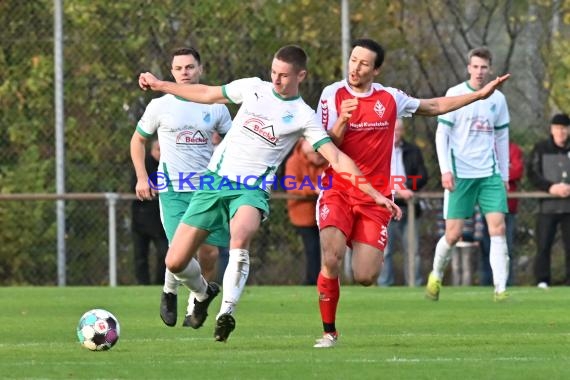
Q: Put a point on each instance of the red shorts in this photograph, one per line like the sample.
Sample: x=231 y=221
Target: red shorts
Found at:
x=359 y=220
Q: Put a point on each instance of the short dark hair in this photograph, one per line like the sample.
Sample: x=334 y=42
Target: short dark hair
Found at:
x=481 y=52
x=371 y=45
x=294 y=55
x=560 y=119
x=186 y=51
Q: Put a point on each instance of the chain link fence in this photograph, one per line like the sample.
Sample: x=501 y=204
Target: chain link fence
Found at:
x=276 y=255
x=106 y=44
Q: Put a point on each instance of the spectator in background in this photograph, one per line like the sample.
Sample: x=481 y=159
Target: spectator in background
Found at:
x=147 y=227
x=549 y=170
x=407 y=162
x=516 y=169
x=305 y=164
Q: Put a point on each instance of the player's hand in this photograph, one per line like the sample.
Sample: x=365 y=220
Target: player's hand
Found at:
x=390 y=205
x=347 y=107
x=561 y=190
x=143 y=190
x=493 y=85
x=447 y=181
x=148 y=81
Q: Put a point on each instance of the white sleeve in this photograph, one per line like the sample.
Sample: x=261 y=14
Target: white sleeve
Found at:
x=502 y=148
x=235 y=91
x=405 y=104
x=223 y=118
x=502 y=118
x=442 y=147
x=314 y=133
x=148 y=123
x=326 y=110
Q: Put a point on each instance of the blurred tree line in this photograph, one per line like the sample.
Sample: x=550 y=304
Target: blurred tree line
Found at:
x=107 y=43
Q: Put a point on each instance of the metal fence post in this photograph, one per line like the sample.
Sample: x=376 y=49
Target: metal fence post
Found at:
x=112 y=210
x=411 y=243
x=59 y=140
x=345 y=33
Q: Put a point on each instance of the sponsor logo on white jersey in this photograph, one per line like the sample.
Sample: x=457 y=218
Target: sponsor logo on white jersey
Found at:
x=287 y=118
x=480 y=124
x=191 y=138
x=258 y=128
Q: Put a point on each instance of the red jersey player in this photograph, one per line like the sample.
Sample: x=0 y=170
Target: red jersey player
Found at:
x=360 y=116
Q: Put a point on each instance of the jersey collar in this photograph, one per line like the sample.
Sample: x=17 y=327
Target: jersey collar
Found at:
x=358 y=94
x=284 y=99
x=469 y=86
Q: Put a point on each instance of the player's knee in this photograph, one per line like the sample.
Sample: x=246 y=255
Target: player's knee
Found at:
x=175 y=264
x=498 y=230
x=453 y=236
x=172 y=265
x=208 y=255
x=330 y=260
x=364 y=280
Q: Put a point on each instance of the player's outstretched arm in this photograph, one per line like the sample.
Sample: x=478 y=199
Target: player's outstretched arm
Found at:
x=439 y=106
x=341 y=163
x=198 y=93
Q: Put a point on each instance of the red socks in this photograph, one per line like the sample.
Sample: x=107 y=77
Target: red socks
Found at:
x=329 y=293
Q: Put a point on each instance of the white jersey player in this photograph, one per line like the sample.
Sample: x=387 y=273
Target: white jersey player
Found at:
x=185 y=130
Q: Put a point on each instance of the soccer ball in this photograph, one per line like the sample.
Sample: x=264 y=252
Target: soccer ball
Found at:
x=98 y=330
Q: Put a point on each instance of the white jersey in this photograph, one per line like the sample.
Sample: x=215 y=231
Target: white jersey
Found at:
x=264 y=130
x=473 y=141
x=185 y=136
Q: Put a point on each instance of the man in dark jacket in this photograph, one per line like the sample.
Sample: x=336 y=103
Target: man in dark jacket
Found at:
x=408 y=163
x=549 y=170
x=147 y=228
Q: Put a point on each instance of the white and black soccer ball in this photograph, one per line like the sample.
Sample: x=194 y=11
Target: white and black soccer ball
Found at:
x=98 y=330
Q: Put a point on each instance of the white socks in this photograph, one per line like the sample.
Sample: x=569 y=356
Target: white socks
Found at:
x=499 y=259
x=234 y=281
x=192 y=278
x=441 y=258
x=190 y=307
x=498 y=256
x=170 y=283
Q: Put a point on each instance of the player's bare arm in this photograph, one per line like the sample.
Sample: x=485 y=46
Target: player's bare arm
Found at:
x=447 y=181
x=198 y=93
x=338 y=130
x=142 y=189
x=341 y=163
x=445 y=104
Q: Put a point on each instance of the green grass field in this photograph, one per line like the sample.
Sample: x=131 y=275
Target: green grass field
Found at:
x=385 y=334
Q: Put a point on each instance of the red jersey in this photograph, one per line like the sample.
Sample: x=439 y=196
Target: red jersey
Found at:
x=369 y=137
